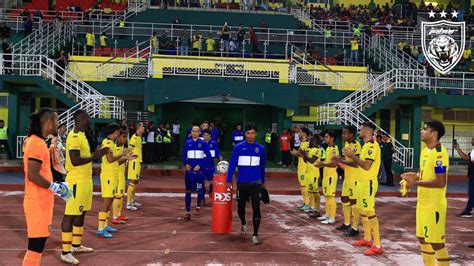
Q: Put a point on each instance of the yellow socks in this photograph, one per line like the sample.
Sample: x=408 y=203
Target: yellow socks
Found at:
x=32 y=258
x=442 y=257
x=117 y=206
x=317 y=199
x=374 y=225
x=428 y=254
x=355 y=216
x=346 y=211
x=331 y=203
x=102 y=218
x=67 y=241
x=366 y=226
x=77 y=235
x=312 y=200
x=305 y=194
x=107 y=219
x=130 y=193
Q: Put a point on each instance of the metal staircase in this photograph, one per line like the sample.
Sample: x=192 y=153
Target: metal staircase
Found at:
x=84 y=95
x=349 y=111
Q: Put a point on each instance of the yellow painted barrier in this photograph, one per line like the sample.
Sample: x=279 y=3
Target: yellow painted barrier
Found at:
x=92 y=68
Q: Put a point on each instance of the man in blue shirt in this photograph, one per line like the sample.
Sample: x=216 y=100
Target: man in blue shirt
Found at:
x=215 y=154
x=195 y=151
x=237 y=135
x=249 y=157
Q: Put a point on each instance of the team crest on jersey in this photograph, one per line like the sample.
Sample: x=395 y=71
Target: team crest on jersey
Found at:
x=257 y=150
x=355 y=149
x=443 y=43
x=439 y=163
x=370 y=152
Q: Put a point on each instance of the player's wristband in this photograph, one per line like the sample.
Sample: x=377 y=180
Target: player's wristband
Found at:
x=55 y=187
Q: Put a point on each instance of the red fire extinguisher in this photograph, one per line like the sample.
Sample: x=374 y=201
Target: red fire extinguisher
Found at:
x=221 y=206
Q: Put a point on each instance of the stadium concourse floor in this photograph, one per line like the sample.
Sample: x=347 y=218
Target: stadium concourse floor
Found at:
x=156 y=234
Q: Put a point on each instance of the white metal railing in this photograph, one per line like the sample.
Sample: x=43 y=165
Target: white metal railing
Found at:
x=309 y=74
x=47 y=40
x=96 y=104
x=16 y=24
x=133 y=7
x=346 y=114
x=19 y=146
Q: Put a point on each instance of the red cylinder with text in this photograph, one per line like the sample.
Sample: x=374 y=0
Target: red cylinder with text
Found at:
x=221 y=206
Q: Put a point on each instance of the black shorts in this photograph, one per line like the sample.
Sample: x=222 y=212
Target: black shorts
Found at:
x=248 y=191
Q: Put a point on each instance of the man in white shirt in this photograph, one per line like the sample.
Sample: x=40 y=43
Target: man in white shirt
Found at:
x=150 y=144
x=176 y=132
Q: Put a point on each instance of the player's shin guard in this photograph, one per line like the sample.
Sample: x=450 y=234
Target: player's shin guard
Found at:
x=374 y=226
x=130 y=193
x=332 y=207
x=305 y=193
x=312 y=200
x=442 y=256
x=187 y=201
x=77 y=233
x=366 y=226
x=200 y=197
x=102 y=218
x=346 y=211
x=317 y=199
x=428 y=254
x=67 y=241
x=107 y=219
x=355 y=216
x=32 y=258
x=116 y=206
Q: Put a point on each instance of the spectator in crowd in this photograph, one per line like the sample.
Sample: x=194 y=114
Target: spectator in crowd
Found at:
x=176 y=135
x=163 y=42
x=184 y=41
x=28 y=26
x=387 y=150
x=167 y=139
x=254 y=41
x=401 y=45
x=7 y=49
x=25 y=14
x=103 y=40
x=4 y=139
x=240 y=37
x=354 y=50
x=62 y=134
x=90 y=42
x=469 y=157
x=176 y=20
x=285 y=148
x=414 y=51
x=225 y=37
x=6 y=31
x=263 y=25
x=38 y=16
x=150 y=146
x=215 y=136
x=339 y=57
x=421 y=57
x=62 y=63
x=197 y=43
x=70 y=8
x=210 y=45
x=154 y=42
x=158 y=151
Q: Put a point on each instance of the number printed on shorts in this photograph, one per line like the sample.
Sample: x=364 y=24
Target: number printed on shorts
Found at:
x=199 y=186
x=310 y=186
x=301 y=177
x=426 y=230
x=364 y=201
x=350 y=192
x=325 y=190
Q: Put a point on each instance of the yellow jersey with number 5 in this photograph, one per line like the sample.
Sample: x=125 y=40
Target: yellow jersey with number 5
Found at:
x=370 y=151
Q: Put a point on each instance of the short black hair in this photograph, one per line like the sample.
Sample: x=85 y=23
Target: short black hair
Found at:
x=250 y=126
x=111 y=128
x=37 y=119
x=206 y=131
x=436 y=125
x=306 y=131
x=368 y=124
x=79 y=113
x=62 y=125
x=1 y=120
x=331 y=133
x=352 y=129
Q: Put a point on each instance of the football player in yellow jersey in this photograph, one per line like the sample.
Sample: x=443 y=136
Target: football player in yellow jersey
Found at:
x=79 y=176
x=367 y=184
x=313 y=160
x=109 y=178
x=348 y=195
x=330 y=177
x=134 y=166
x=432 y=204
x=117 y=205
x=304 y=133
